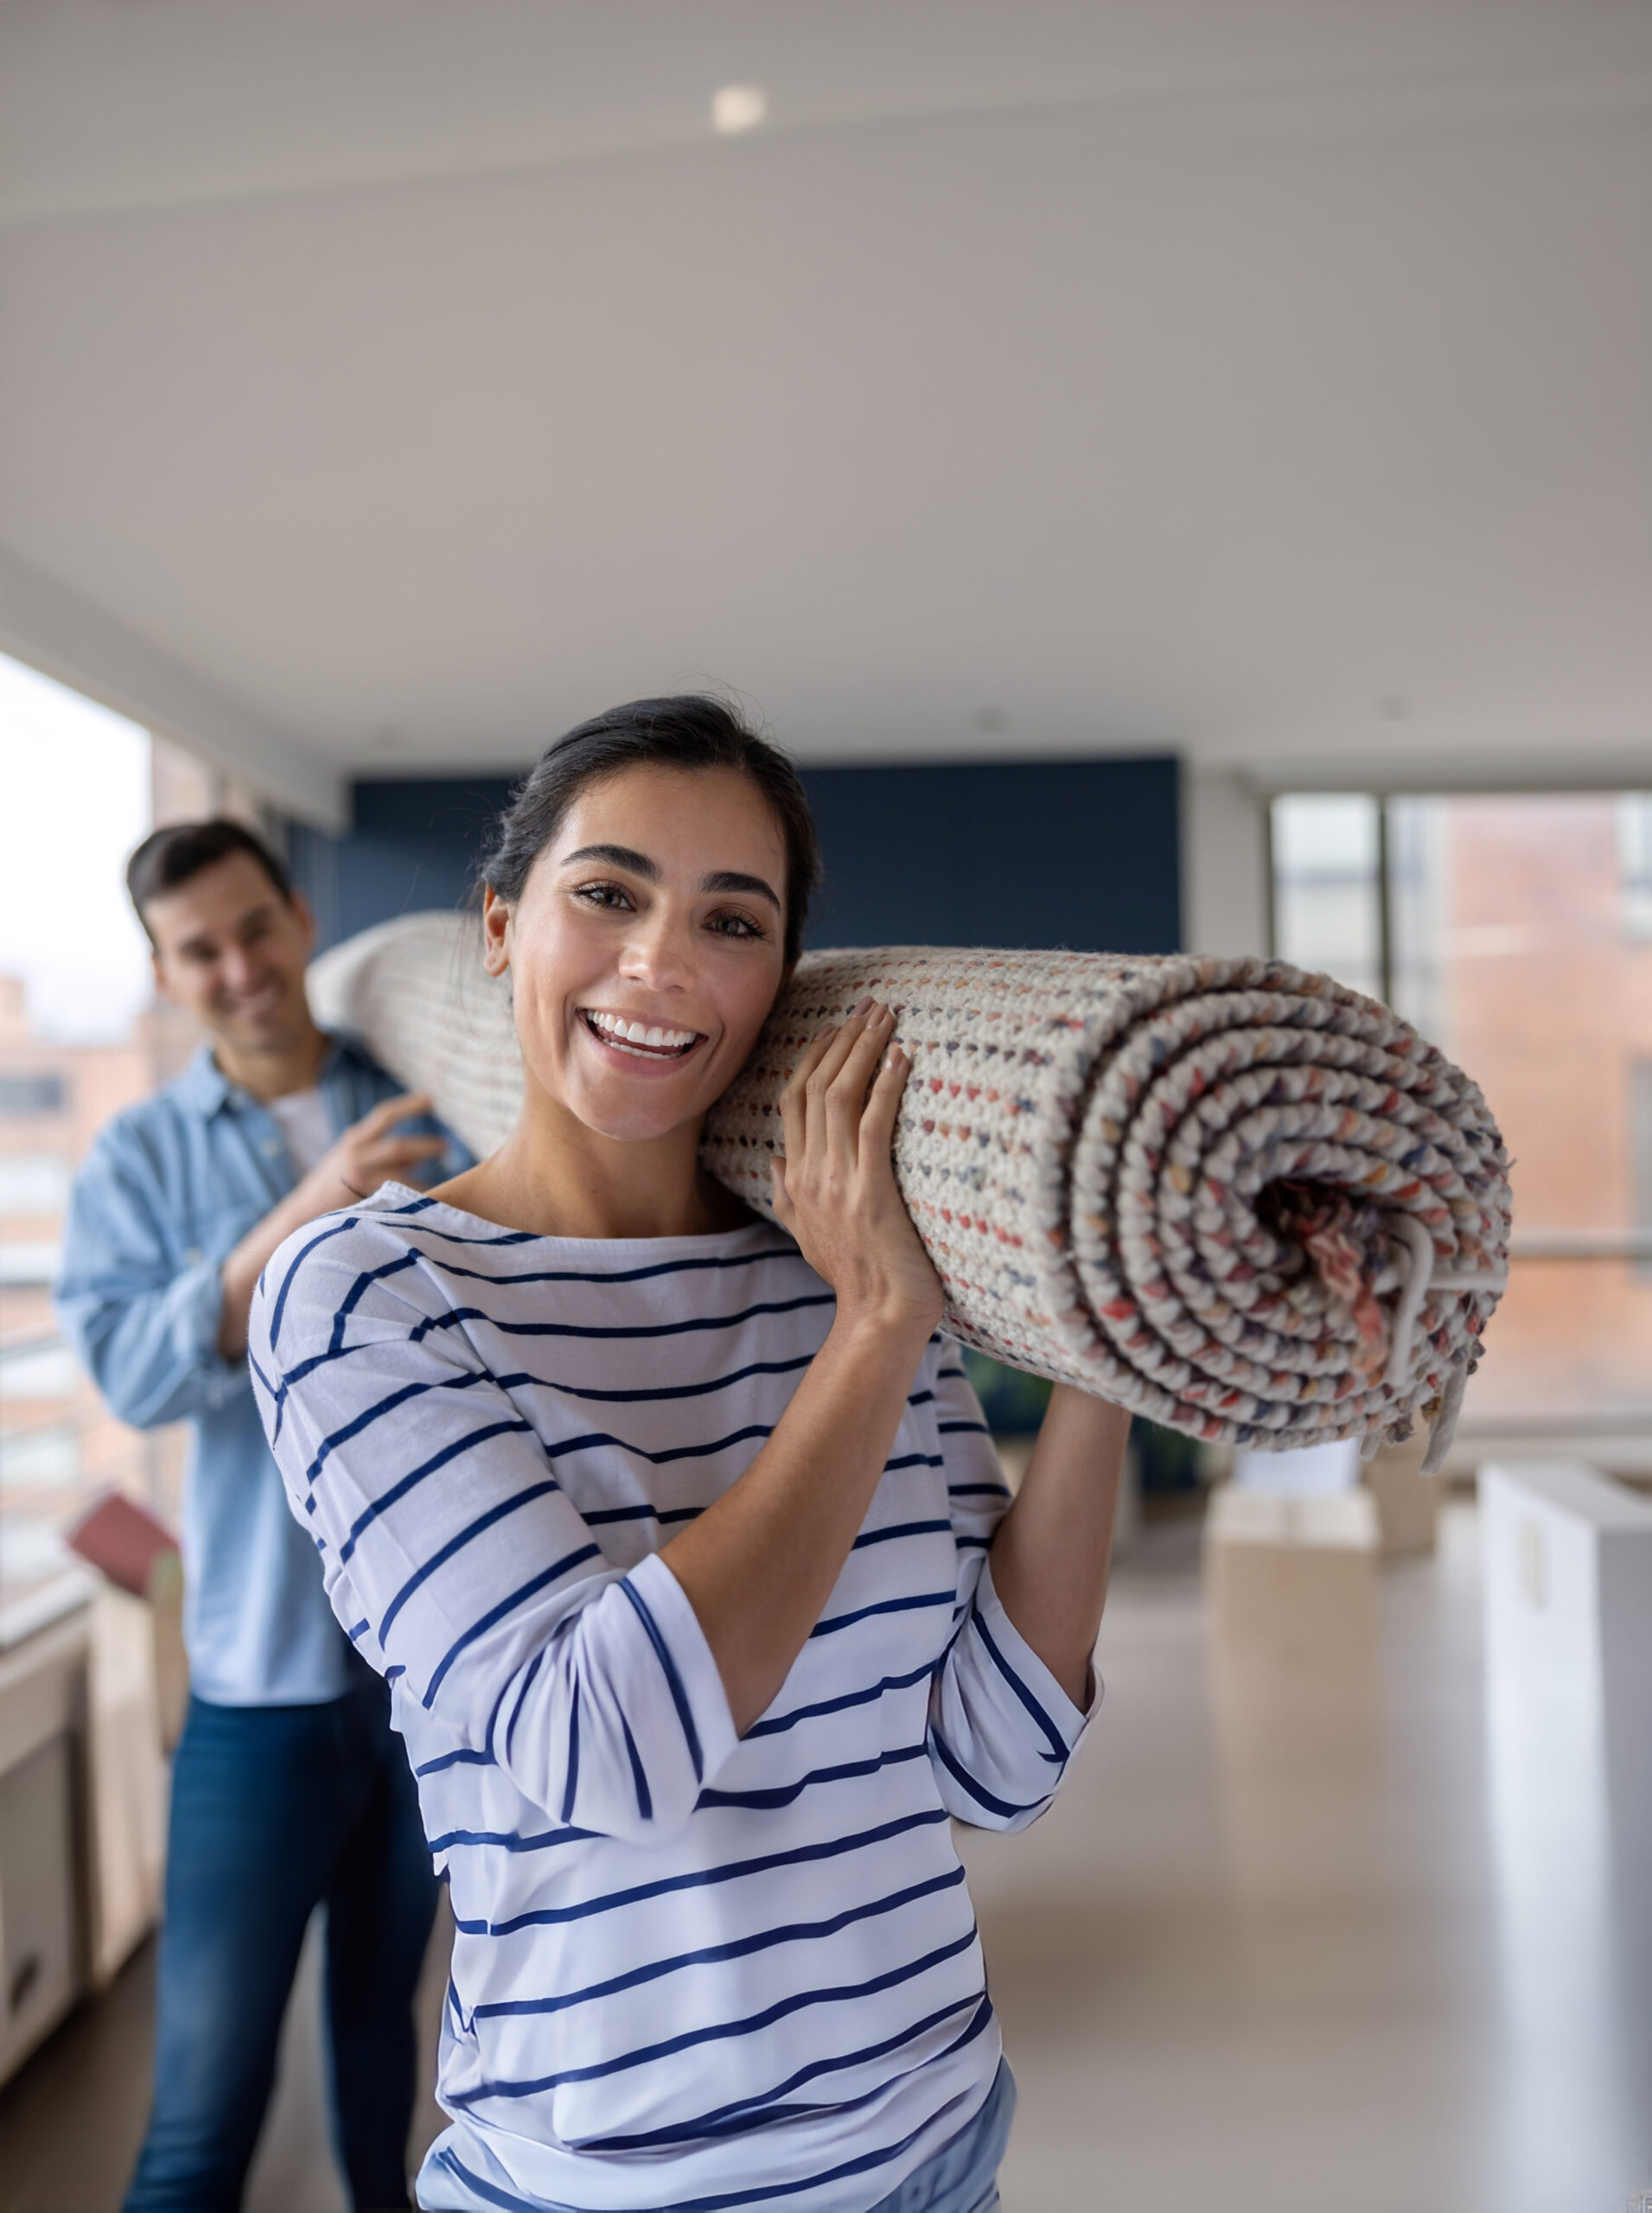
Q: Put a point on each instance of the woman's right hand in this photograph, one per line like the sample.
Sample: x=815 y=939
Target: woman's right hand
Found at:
x=835 y=1190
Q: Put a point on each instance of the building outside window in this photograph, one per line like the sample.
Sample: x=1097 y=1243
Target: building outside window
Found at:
x=1515 y=930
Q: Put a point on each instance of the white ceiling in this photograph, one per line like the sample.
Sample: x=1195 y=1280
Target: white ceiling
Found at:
x=389 y=383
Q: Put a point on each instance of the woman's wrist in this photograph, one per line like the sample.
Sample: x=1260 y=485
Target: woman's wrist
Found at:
x=882 y=1327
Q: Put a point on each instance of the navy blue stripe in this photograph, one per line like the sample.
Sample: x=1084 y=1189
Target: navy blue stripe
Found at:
x=673 y=1680
x=720 y=2032
x=465 y=1756
x=507 y=1841
x=496 y=1614
x=738 y=2118
x=278 y=1310
x=639 y=1777
x=668 y=1390
x=962 y=1428
x=397 y=1491
x=979 y=1490
x=901 y=1529
x=404 y=1214
x=788 y=1794
x=366 y=1418
x=488 y=2191
x=493 y=1718
x=913 y=1460
x=738 y=1947
x=875 y=1691
x=533 y=1668
x=731 y=1871
x=606 y=1514
x=359 y=1289
x=596 y=1439
x=458 y=1316
x=955 y=1768
x=664 y=1390
x=709 y=1263
x=456 y=1544
x=884 y=1606
x=572 y=1786
x=1053 y=1736
x=455 y=1317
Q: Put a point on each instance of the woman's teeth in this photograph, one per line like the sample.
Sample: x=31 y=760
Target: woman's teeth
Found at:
x=646 y=1041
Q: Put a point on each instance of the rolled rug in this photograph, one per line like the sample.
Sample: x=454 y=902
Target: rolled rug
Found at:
x=1239 y=1199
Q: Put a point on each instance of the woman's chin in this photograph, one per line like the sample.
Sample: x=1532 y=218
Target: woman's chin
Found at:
x=644 y=1116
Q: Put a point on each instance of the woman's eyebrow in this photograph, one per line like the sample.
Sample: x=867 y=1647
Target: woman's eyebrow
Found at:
x=616 y=856
x=729 y=879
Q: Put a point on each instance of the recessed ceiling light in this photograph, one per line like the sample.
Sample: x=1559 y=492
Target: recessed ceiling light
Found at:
x=738 y=107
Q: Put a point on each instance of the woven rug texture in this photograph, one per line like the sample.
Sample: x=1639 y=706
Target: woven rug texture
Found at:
x=1239 y=1199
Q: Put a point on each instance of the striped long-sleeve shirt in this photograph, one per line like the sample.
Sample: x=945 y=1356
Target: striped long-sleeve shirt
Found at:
x=691 y=1969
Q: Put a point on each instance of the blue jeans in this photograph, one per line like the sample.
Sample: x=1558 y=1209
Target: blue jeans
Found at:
x=962 y=2177
x=274 y=1810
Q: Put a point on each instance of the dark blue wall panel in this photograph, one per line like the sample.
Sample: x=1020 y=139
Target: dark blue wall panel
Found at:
x=414 y=846
x=1081 y=853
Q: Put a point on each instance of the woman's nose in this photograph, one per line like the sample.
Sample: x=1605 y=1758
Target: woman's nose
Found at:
x=658 y=955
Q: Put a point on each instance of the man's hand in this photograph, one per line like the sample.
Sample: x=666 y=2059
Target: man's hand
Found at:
x=370 y=1152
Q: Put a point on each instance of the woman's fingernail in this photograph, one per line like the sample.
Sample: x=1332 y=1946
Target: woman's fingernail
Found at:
x=864 y=1007
x=881 y=1014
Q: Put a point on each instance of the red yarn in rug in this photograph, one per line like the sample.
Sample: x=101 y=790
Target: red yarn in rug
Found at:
x=1343 y=1239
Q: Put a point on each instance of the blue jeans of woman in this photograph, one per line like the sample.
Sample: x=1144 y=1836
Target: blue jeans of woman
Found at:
x=277 y=1809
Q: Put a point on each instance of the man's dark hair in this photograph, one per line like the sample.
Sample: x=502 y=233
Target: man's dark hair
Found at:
x=170 y=856
x=689 y=731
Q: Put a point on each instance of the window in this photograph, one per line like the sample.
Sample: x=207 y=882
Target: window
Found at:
x=38 y=1371
x=1327 y=885
x=77 y=1045
x=1635 y=863
x=34 y=1183
x=1515 y=931
x=40 y=1460
x=30 y=1094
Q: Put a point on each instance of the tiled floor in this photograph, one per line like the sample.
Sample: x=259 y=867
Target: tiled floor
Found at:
x=1341 y=1953
x=1297 y=1959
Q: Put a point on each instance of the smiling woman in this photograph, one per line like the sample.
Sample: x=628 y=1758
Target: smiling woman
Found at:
x=680 y=1539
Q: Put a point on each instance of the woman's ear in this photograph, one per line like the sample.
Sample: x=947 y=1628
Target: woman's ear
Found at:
x=495 y=932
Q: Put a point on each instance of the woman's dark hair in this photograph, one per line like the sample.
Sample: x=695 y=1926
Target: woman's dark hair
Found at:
x=171 y=855
x=687 y=732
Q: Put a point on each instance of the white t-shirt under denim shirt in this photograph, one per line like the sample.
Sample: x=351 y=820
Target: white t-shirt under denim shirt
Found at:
x=305 y=1119
x=691 y=1969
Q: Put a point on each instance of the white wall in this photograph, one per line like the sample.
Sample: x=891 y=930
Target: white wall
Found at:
x=1224 y=864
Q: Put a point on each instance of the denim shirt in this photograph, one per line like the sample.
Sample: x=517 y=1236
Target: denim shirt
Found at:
x=167 y=1192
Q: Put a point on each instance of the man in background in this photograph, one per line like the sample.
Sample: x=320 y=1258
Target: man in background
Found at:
x=288 y=1787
